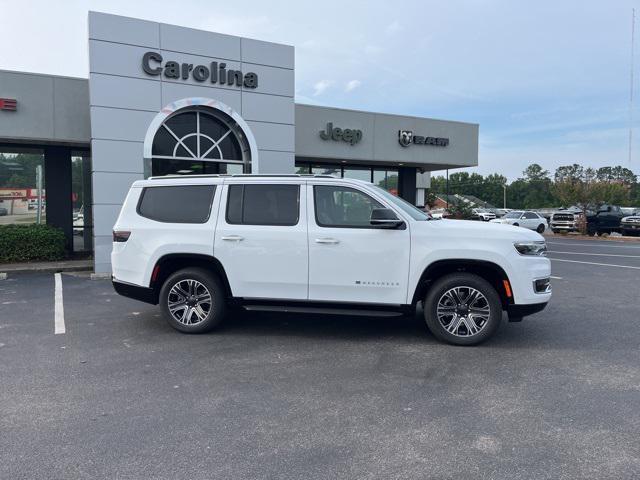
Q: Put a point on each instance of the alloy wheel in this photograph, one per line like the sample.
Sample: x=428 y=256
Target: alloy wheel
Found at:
x=189 y=302
x=463 y=311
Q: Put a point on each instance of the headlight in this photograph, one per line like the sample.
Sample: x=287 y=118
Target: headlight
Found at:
x=531 y=248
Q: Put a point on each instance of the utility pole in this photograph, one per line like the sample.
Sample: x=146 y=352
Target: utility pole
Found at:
x=633 y=28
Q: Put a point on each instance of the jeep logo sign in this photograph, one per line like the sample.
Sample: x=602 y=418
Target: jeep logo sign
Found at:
x=406 y=138
x=215 y=73
x=349 y=135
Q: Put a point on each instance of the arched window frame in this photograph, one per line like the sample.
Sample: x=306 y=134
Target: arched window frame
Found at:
x=229 y=116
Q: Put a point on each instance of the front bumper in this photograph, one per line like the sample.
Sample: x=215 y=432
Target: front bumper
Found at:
x=569 y=226
x=517 y=312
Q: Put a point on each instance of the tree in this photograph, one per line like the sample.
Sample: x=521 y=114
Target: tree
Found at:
x=535 y=173
x=617 y=174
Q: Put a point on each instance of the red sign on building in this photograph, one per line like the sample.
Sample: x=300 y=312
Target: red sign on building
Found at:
x=10 y=104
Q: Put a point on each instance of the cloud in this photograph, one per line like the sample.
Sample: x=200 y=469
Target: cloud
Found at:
x=392 y=28
x=320 y=87
x=352 y=85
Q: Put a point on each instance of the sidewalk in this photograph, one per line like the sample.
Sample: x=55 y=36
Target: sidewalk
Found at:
x=48 y=267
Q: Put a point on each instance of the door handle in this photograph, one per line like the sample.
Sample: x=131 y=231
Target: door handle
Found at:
x=327 y=241
x=233 y=238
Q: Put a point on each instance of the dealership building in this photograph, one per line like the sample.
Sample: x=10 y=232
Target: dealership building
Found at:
x=162 y=99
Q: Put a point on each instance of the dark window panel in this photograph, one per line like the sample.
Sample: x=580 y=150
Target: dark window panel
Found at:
x=177 y=204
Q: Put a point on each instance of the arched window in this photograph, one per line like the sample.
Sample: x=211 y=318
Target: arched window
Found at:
x=199 y=140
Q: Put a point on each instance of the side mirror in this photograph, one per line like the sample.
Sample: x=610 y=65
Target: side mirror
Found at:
x=385 y=218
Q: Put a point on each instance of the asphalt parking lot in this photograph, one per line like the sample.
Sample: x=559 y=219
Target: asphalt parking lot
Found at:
x=122 y=395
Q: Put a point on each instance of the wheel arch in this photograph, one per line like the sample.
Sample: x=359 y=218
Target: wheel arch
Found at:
x=170 y=263
x=490 y=271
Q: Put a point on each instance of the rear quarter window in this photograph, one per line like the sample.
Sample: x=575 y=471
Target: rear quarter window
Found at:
x=177 y=203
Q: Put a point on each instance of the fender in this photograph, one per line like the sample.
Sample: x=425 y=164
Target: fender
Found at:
x=490 y=270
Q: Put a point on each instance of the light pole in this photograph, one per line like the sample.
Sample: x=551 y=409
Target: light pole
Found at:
x=504 y=196
x=39 y=187
x=447 y=189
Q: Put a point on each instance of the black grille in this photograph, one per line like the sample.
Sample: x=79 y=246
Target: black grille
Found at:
x=563 y=217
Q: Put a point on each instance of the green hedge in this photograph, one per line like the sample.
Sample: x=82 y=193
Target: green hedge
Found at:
x=24 y=243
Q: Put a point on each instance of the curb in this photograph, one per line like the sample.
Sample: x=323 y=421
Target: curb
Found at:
x=44 y=269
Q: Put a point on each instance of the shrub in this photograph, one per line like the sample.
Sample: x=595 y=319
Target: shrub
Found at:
x=24 y=243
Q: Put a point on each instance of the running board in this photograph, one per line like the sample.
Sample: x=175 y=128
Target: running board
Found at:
x=323 y=310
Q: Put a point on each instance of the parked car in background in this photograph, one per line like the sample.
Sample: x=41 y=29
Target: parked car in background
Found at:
x=483 y=214
x=566 y=220
x=501 y=212
x=524 y=218
x=631 y=225
x=3 y=212
x=607 y=219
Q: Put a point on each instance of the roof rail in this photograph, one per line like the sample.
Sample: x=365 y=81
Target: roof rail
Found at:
x=248 y=175
x=203 y=175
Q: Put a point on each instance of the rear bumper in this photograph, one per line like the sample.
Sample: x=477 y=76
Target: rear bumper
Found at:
x=143 y=294
x=516 y=312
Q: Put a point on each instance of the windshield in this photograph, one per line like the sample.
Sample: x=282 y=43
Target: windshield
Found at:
x=513 y=215
x=402 y=204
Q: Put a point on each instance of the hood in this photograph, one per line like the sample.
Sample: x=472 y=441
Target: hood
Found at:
x=469 y=228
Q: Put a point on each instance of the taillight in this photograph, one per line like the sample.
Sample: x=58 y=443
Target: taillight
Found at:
x=120 y=236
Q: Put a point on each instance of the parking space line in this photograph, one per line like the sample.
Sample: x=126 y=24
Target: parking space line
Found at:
x=596 y=254
x=593 y=263
x=555 y=278
x=59 y=306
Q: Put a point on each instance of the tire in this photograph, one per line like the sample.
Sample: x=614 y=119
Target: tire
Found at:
x=197 y=282
x=440 y=295
x=540 y=228
x=516 y=224
x=554 y=230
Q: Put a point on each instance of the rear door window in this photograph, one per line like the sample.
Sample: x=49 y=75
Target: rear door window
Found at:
x=177 y=203
x=263 y=204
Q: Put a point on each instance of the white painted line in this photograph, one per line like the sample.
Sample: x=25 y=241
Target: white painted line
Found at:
x=555 y=278
x=594 y=244
x=59 y=306
x=596 y=254
x=593 y=263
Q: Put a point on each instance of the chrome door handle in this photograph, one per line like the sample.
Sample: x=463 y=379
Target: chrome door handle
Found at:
x=327 y=241
x=233 y=238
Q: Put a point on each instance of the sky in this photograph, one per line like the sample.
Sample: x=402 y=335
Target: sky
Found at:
x=547 y=81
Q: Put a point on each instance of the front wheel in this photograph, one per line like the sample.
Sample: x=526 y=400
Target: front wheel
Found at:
x=462 y=309
x=193 y=300
x=540 y=228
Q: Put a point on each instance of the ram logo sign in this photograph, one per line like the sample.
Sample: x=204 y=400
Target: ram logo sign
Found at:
x=406 y=138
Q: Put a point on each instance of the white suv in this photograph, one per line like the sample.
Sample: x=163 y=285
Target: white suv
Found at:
x=199 y=244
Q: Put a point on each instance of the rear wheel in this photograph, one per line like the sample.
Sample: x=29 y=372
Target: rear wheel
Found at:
x=193 y=300
x=540 y=228
x=516 y=224
x=462 y=309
